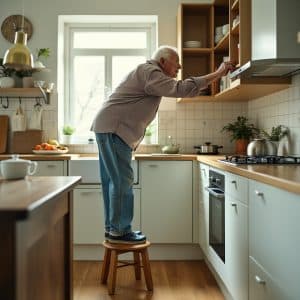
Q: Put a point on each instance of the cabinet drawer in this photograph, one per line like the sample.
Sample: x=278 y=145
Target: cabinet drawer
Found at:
x=50 y=168
x=236 y=187
x=264 y=286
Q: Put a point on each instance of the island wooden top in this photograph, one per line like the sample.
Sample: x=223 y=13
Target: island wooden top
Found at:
x=19 y=197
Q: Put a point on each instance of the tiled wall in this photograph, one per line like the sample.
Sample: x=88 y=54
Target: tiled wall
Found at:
x=194 y=124
x=281 y=108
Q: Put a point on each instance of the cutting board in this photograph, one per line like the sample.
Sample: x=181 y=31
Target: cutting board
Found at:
x=24 y=141
x=4 y=120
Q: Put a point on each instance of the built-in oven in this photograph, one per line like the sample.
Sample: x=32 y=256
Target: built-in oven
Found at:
x=216 y=190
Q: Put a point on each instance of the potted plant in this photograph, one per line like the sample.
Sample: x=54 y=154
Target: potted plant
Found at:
x=241 y=132
x=6 y=79
x=67 y=134
x=148 y=134
x=42 y=53
x=277 y=133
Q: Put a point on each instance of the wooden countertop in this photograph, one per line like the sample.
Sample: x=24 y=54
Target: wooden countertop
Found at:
x=286 y=177
x=41 y=157
x=19 y=197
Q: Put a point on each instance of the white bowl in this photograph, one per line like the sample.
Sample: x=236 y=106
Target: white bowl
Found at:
x=192 y=44
x=225 y=29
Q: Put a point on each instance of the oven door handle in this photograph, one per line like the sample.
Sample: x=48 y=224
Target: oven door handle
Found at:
x=212 y=191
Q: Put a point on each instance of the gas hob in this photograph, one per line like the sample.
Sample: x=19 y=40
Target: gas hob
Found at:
x=261 y=160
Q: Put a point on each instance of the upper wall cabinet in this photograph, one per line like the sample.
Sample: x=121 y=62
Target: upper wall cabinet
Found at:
x=208 y=34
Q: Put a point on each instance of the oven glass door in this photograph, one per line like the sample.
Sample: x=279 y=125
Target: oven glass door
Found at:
x=217 y=222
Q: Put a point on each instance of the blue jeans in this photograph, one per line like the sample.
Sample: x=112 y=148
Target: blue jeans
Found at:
x=117 y=179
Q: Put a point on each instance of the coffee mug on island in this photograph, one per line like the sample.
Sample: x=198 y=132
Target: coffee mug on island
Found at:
x=16 y=168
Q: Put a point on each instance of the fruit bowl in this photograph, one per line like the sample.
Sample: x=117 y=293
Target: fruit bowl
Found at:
x=50 y=148
x=51 y=152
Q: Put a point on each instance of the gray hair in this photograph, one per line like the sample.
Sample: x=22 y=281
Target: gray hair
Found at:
x=164 y=52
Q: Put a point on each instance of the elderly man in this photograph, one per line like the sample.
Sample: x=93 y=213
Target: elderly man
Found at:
x=120 y=125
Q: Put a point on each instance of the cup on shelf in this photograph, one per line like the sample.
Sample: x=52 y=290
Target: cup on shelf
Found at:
x=218 y=37
x=39 y=83
x=218 y=30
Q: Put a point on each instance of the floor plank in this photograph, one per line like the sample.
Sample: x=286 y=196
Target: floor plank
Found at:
x=173 y=280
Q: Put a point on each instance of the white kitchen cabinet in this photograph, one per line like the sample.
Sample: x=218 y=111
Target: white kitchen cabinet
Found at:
x=274 y=243
x=203 y=207
x=51 y=168
x=88 y=221
x=236 y=235
x=167 y=201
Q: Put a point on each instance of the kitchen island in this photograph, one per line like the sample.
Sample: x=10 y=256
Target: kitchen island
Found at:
x=36 y=238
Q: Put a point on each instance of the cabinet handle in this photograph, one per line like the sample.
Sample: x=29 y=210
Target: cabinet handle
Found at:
x=259 y=280
x=89 y=193
x=51 y=166
x=233 y=204
x=233 y=181
x=152 y=166
x=260 y=194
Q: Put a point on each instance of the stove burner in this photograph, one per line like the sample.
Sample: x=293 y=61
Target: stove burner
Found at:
x=252 y=160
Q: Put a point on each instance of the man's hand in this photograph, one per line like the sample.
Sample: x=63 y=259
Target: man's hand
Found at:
x=225 y=67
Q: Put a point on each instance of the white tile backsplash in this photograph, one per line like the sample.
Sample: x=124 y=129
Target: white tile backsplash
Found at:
x=281 y=108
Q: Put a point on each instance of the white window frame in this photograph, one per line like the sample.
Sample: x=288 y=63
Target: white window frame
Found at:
x=70 y=24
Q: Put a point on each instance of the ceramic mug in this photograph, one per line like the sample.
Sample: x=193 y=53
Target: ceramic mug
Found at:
x=16 y=168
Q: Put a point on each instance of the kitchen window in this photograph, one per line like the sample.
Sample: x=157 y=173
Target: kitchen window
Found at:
x=98 y=54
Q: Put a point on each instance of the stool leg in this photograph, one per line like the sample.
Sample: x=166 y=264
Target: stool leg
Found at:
x=105 y=266
x=147 y=269
x=137 y=265
x=112 y=272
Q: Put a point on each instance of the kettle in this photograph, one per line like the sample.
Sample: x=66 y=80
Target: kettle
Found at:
x=261 y=147
x=17 y=168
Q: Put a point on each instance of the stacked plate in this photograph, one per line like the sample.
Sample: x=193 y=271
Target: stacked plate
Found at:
x=192 y=44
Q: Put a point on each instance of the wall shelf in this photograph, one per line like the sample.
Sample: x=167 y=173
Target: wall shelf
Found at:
x=21 y=93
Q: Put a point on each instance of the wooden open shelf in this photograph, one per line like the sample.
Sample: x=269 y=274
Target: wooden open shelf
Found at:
x=198 y=22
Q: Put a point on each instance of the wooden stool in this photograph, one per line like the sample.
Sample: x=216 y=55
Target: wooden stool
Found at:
x=110 y=263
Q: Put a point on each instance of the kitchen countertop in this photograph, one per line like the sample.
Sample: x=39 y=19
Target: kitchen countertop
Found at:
x=286 y=177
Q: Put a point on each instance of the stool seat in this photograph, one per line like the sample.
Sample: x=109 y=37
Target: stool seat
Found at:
x=110 y=263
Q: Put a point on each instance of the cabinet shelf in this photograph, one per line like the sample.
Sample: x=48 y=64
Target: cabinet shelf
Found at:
x=223 y=44
x=235 y=5
x=197 y=51
x=236 y=29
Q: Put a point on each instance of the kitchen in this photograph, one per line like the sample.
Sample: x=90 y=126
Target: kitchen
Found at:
x=188 y=123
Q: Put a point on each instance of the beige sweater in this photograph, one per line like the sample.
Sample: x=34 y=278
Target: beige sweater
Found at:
x=134 y=103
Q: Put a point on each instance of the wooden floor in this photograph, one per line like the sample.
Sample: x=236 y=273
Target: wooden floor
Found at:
x=173 y=280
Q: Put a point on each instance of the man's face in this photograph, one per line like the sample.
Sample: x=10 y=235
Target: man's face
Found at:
x=170 y=65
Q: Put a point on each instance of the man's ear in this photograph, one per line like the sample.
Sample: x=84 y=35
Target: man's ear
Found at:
x=162 y=61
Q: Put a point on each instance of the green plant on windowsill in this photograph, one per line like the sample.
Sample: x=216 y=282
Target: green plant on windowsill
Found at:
x=68 y=130
x=149 y=130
